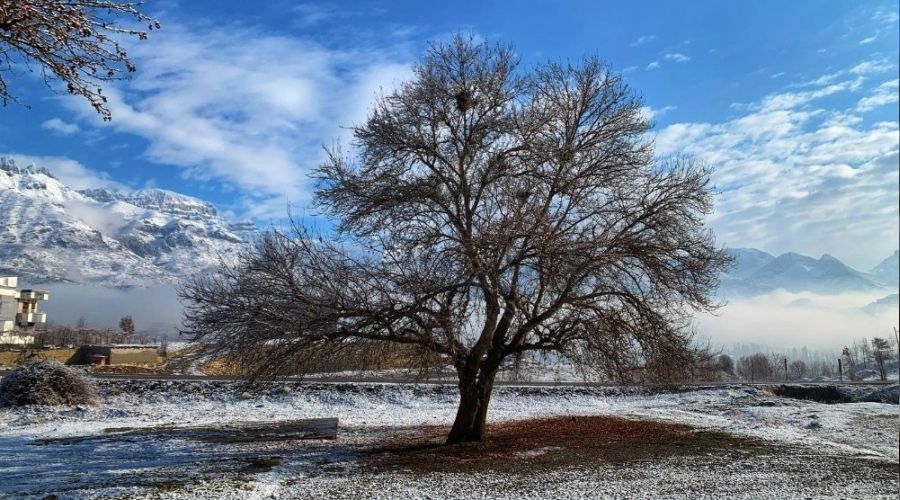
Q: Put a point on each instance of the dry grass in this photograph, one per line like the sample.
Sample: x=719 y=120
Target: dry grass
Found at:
x=357 y=357
x=17 y=357
x=129 y=369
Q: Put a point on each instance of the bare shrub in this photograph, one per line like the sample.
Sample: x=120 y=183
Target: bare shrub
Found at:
x=798 y=370
x=725 y=364
x=46 y=383
x=755 y=368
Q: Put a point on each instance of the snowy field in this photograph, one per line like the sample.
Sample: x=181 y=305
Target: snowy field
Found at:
x=811 y=449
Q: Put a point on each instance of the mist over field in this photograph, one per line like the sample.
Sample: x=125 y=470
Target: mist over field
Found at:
x=785 y=320
x=155 y=310
x=779 y=320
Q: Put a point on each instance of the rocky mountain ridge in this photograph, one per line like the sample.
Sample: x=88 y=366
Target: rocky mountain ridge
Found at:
x=50 y=232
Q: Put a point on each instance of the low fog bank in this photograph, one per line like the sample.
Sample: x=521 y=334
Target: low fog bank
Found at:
x=155 y=310
x=776 y=321
x=785 y=321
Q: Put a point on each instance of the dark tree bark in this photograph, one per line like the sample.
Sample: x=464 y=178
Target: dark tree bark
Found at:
x=486 y=213
x=475 y=390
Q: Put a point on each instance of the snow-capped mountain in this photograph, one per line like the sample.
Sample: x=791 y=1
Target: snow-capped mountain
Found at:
x=51 y=232
x=756 y=272
x=888 y=271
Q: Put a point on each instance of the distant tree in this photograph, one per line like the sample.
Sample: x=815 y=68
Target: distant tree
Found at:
x=797 y=370
x=75 y=42
x=755 y=367
x=865 y=351
x=709 y=367
x=725 y=364
x=822 y=368
x=849 y=362
x=489 y=212
x=881 y=350
x=779 y=365
x=126 y=325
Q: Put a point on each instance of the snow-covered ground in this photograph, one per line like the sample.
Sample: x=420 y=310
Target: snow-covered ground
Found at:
x=828 y=436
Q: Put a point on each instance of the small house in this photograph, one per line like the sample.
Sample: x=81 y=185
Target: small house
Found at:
x=19 y=311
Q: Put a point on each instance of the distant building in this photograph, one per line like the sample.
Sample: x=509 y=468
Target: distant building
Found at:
x=19 y=311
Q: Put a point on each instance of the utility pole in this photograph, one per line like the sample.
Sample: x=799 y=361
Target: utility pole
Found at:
x=840 y=371
x=785 y=370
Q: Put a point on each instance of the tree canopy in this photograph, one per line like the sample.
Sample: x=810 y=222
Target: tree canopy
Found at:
x=486 y=211
x=75 y=42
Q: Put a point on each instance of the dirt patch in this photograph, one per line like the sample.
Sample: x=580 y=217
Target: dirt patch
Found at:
x=555 y=442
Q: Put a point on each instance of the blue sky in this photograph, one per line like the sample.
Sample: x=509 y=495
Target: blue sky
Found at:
x=794 y=103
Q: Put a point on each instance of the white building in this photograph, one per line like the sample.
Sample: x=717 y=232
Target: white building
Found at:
x=18 y=311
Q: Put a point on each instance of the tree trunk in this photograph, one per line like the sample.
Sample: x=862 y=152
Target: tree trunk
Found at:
x=471 y=415
x=479 y=426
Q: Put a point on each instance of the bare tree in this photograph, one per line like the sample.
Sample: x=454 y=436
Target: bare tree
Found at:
x=865 y=350
x=798 y=369
x=725 y=364
x=126 y=325
x=71 y=41
x=850 y=362
x=489 y=212
x=881 y=351
x=755 y=367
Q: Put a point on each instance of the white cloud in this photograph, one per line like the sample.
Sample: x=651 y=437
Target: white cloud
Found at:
x=868 y=40
x=311 y=13
x=794 y=177
x=886 y=17
x=864 y=68
x=652 y=113
x=872 y=67
x=643 y=40
x=677 y=57
x=60 y=127
x=69 y=171
x=787 y=100
x=886 y=93
x=247 y=108
x=106 y=221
